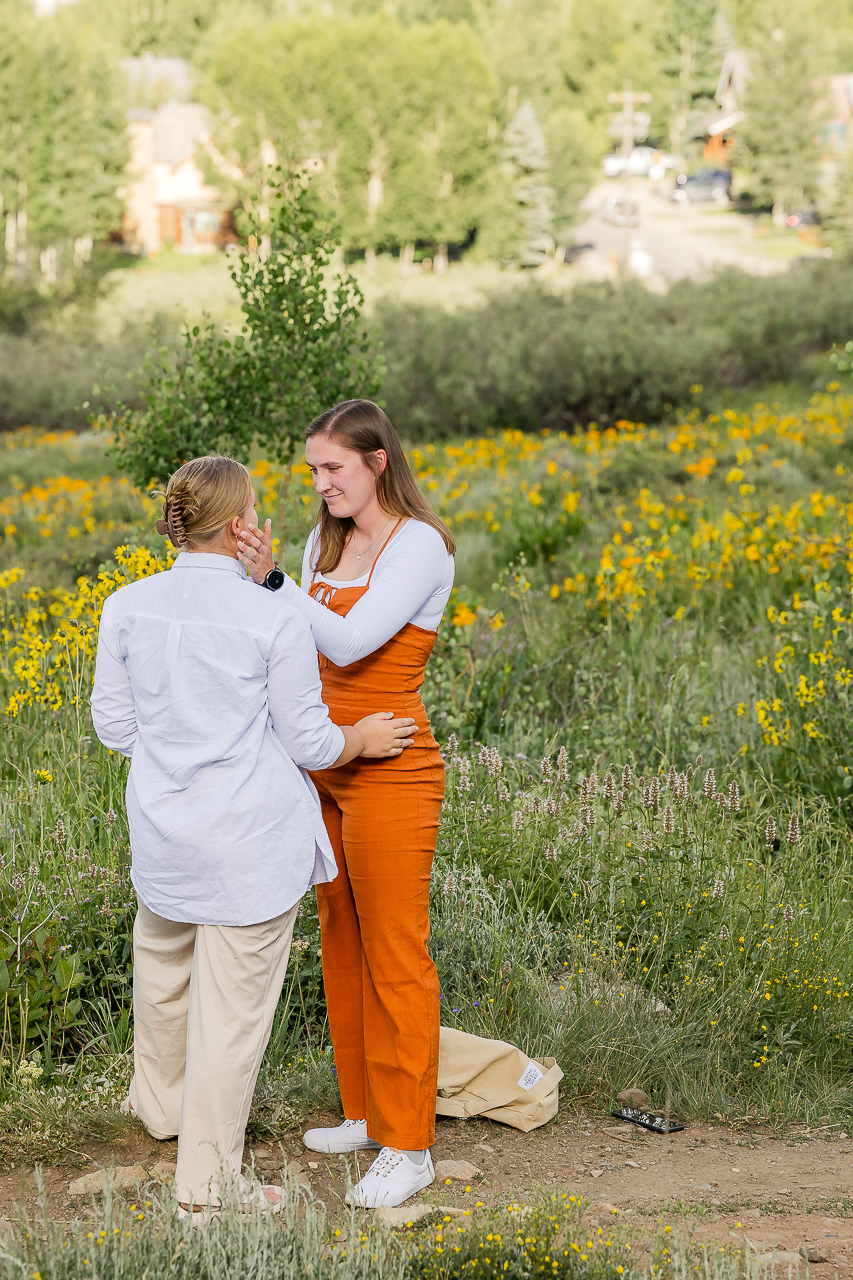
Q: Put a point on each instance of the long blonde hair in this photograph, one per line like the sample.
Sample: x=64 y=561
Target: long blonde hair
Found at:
x=202 y=498
x=362 y=426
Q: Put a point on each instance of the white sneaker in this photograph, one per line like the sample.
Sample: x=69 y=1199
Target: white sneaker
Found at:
x=349 y=1136
x=391 y=1179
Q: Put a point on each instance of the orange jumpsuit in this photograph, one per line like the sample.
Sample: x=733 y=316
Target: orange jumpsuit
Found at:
x=382 y=818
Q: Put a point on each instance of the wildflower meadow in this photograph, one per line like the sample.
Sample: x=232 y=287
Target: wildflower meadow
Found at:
x=641 y=689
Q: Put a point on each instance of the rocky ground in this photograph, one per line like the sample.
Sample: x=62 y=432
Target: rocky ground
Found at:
x=789 y=1193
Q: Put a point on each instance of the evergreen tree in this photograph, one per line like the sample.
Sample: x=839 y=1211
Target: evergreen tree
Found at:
x=520 y=217
x=777 y=149
x=526 y=154
x=838 y=210
x=572 y=167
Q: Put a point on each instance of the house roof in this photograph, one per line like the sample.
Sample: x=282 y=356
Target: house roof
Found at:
x=180 y=128
x=734 y=75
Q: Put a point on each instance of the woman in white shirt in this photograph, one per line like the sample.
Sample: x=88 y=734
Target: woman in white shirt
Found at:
x=377 y=573
x=211 y=687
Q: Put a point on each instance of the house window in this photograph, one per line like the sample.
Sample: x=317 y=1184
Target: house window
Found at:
x=208 y=222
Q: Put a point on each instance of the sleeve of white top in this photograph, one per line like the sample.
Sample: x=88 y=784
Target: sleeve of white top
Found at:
x=404 y=579
x=299 y=716
x=113 y=711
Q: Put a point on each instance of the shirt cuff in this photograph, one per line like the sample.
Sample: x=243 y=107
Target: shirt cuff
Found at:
x=339 y=741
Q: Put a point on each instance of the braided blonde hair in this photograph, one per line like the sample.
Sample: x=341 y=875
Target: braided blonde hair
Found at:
x=202 y=498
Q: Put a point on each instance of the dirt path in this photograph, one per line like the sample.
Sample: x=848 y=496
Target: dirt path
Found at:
x=743 y=1189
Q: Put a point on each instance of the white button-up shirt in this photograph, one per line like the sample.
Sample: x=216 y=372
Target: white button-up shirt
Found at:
x=212 y=687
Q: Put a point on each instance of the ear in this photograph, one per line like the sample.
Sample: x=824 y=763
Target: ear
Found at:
x=236 y=526
x=382 y=458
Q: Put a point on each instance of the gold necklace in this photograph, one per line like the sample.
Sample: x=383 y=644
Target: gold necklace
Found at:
x=359 y=554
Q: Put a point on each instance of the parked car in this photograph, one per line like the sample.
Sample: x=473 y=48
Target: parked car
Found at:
x=619 y=211
x=704 y=185
x=642 y=160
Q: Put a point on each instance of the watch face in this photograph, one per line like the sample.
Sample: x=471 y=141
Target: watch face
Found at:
x=274 y=579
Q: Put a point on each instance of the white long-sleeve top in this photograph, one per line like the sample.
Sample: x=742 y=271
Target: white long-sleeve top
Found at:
x=212 y=688
x=412 y=580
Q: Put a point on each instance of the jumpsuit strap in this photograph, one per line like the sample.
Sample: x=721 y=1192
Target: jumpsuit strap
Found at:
x=323 y=592
x=382 y=548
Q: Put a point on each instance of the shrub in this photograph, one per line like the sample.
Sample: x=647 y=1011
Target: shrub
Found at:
x=301 y=349
x=526 y=358
x=47 y=377
x=529 y=358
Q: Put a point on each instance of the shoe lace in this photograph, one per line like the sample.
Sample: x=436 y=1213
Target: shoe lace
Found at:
x=349 y=1124
x=387 y=1160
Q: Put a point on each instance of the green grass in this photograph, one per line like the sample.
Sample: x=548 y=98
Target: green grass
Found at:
x=631 y=935
x=545 y=1238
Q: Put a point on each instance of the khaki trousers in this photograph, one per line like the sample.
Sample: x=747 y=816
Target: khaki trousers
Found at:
x=204 y=998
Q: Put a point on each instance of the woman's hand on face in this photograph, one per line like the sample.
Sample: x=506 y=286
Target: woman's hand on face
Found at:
x=254 y=549
x=386 y=736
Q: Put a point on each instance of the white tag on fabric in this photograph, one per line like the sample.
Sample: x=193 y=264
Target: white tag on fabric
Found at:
x=531 y=1077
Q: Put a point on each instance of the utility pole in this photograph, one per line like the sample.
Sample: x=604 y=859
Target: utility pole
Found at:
x=631 y=126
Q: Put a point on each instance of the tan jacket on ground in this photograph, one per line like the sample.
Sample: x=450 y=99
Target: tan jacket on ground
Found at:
x=490 y=1078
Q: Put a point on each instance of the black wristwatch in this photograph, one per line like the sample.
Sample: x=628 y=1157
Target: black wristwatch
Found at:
x=274 y=579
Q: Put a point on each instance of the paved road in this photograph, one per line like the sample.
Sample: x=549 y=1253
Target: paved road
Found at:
x=691 y=240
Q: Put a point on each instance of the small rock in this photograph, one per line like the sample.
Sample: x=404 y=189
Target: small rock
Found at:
x=632 y=1164
x=403 y=1216
x=312 y=1164
x=606 y=1212
x=778 y=1258
x=483 y=1146
x=812 y=1254
x=453 y=1211
x=293 y=1166
x=460 y=1170
x=704 y=1186
x=122 y=1179
x=163 y=1170
x=596 y=1173
x=751 y=1213
x=634 y=1098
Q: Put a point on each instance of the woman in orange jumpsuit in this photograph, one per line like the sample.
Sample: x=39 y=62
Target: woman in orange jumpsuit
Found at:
x=377 y=573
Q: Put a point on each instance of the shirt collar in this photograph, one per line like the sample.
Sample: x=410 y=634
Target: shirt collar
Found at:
x=206 y=560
